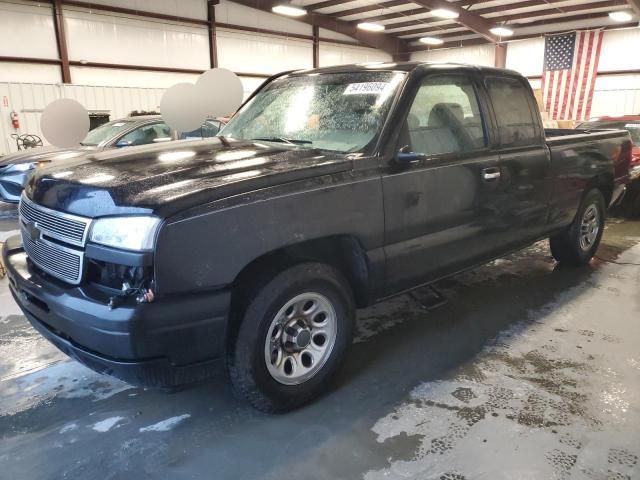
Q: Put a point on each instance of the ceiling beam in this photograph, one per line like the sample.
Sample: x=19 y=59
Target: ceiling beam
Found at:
x=483 y=41
x=326 y=4
x=392 y=45
x=635 y=5
x=368 y=8
x=470 y=20
x=548 y=5
x=377 y=6
x=570 y=13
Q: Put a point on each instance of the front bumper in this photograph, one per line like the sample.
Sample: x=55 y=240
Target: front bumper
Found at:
x=170 y=342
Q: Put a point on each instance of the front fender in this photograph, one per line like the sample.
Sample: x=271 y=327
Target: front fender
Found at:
x=209 y=247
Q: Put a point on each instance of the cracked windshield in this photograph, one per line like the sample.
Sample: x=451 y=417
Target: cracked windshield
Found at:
x=336 y=112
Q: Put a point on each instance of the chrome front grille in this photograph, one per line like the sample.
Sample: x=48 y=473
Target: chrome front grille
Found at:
x=49 y=237
x=63 y=263
x=65 y=227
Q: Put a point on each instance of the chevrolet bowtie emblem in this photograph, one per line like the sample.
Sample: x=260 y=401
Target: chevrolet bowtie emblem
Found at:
x=32 y=230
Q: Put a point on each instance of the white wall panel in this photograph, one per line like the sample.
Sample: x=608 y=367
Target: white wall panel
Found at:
x=29 y=72
x=535 y=83
x=526 y=56
x=127 y=78
x=27 y=31
x=29 y=99
x=196 y=9
x=334 y=54
x=335 y=35
x=620 y=50
x=234 y=13
x=249 y=85
x=616 y=95
x=247 y=52
x=477 y=55
x=112 y=39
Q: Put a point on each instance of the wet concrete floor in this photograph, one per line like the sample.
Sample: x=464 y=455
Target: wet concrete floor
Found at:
x=527 y=372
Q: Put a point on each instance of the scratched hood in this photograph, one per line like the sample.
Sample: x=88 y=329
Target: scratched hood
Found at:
x=168 y=178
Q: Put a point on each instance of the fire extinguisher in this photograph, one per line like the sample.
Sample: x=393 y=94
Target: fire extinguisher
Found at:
x=15 y=121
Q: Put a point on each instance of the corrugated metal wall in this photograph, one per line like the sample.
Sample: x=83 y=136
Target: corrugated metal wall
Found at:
x=29 y=99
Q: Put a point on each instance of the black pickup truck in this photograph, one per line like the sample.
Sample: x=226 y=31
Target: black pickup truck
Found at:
x=330 y=189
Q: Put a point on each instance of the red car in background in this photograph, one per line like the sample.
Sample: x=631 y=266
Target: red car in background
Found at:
x=632 y=124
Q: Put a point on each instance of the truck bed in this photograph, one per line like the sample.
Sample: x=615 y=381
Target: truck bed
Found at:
x=579 y=134
x=570 y=148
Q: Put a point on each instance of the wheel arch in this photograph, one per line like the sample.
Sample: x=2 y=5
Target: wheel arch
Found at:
x=343 y=252
x=604 y=183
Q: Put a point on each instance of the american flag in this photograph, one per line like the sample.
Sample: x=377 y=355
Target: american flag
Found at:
x=570 y=68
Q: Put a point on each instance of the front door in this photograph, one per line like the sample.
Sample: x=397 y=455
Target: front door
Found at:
x=442 y=212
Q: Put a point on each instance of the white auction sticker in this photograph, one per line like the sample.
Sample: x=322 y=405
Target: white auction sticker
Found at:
x=632 y=125
x=366 y=88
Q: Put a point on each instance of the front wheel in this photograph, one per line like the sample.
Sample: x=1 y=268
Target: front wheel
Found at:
x=294 y=333
x=577 y=244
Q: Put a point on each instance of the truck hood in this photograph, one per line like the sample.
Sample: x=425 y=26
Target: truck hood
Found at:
x=44 y=154
x=168 y=178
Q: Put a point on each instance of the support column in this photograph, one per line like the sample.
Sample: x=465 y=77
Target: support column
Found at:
x=213 y=43
x=61 y=40
x=500 y=55
x=316 y=46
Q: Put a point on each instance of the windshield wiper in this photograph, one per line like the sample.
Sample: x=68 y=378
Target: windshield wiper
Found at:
x=290 y=141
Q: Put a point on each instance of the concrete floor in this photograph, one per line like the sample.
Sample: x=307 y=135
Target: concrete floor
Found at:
x=528 y=372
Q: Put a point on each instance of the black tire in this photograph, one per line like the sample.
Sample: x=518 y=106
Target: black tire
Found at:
x=246 y=363
x=566 y=246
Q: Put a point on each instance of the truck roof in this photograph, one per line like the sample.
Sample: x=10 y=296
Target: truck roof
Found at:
x=405 y=67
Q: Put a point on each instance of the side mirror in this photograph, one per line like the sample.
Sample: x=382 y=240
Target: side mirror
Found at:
x=123 y=143
x=405 y=156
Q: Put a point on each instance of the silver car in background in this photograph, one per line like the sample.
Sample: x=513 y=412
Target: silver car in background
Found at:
x=140 y=130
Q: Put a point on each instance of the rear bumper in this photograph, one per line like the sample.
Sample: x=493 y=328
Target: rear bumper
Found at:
x=170 y=342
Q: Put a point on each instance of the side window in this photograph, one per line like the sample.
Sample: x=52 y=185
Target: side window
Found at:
x=156 y=132
x=444 y=117
x=517 y=124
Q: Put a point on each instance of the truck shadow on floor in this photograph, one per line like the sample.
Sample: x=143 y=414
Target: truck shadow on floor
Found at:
x=398 y=345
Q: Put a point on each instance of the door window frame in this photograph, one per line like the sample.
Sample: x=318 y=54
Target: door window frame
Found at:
x=539 y=138
x=488 y=130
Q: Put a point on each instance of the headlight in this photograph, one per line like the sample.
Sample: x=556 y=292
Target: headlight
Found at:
x=130 y=233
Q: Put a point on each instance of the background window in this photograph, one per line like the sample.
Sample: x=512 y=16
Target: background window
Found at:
x=444 y=117
x=516 y=122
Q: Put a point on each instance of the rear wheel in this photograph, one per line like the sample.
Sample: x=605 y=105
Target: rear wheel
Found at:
x=294 y=333
x=577 y=244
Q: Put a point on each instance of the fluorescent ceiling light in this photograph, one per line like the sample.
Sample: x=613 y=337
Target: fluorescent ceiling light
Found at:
x=432 y=40
x=371 y=27
x=445 y=13
x=620 y=16
x=501 y=31
x=289 y=10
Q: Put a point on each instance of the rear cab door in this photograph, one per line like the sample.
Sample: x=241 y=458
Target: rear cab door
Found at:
x=441 y=211
x=525 y=163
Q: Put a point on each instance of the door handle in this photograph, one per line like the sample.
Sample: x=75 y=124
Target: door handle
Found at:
x=492 y=173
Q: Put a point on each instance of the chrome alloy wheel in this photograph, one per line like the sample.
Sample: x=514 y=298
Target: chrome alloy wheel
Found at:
x=589 y=228
x=300 y=338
